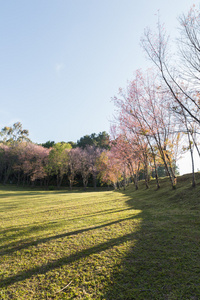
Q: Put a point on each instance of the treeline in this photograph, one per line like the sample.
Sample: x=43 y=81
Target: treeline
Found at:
x=24 y=162
x=95 y=159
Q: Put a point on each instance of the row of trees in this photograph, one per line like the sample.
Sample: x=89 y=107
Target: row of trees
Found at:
x=23 y=162
x=26 y=163
x=159 y=112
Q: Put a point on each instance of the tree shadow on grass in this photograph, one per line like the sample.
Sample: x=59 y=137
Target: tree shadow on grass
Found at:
x=164 y=262
x=43 y=269
x=12 y=247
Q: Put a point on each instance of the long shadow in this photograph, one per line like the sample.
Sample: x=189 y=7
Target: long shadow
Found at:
x=19 y=231
x=68 y=207
x=164 y=262
x=42 y=269
x=24 y=245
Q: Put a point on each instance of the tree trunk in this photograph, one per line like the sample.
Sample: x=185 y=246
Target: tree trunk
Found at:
x=95 y=181
x=192 y=160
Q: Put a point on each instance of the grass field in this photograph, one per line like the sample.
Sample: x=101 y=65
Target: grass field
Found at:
x=100 y=244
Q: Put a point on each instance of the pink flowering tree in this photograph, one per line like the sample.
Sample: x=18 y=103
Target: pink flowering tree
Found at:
x=73 y=165
x=93 y=155
x=110 y=168
x=32 y=160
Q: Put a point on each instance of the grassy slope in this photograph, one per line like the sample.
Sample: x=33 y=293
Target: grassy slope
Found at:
x=104 y=245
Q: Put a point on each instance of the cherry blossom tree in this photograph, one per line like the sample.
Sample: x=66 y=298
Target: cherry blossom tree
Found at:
x=110 y=168
x=93 y=154
x=125 y=149
x=145 y=114
x=85 y=165
x=32 y=161
x=73 y=165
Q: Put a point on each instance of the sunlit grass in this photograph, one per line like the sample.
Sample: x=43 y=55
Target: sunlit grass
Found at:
x=51 y=239
x=101 y=245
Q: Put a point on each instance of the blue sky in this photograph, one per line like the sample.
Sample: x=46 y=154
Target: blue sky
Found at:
x=62 y=61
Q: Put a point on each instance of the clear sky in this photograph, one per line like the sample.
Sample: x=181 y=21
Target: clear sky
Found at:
x=61 y=61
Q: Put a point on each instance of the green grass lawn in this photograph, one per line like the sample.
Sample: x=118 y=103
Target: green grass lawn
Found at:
x=100 y=244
